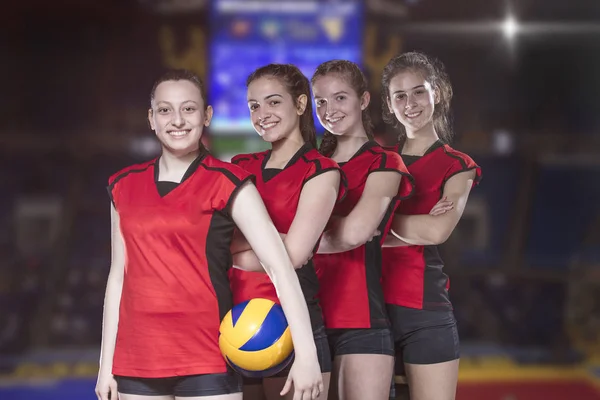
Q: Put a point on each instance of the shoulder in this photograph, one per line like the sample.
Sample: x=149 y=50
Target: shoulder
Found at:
x=319 y=164
x=320 y=161
x=386 y=152
x=386 y=159
x=460 y=162
x=457 y=156
x=227 y=170
x=377 y=149
x=249 y=157
x=132 y=169
x=457 y=159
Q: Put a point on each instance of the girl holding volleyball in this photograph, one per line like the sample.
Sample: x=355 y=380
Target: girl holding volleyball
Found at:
x=172 y=224
x=417 y=93
x=299 y=187
x=349 y=263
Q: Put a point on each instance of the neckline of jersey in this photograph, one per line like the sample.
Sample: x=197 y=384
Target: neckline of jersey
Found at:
x=188 y=173
x=365 y=146
x=306 y=147
x=410 y=158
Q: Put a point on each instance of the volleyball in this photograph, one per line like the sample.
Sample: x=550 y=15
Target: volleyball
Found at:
x=255 y=338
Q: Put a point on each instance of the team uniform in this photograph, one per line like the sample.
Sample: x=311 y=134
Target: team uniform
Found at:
x=280 y=190
x=351 y=295
x=175 y=290
x=415 y=287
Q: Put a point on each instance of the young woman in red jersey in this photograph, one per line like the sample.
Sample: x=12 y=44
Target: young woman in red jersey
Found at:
x=172 y=224
x=349 y=262
x=299 y=187
x=417 y=93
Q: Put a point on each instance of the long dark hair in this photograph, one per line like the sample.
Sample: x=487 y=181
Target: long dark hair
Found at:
x=434 y=72
x=354 y=76
x=296 y=84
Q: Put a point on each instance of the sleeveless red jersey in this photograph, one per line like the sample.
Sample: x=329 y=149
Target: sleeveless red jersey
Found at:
x=351 y=295
x=175 y=288
x=280 y=190
x=412 y=275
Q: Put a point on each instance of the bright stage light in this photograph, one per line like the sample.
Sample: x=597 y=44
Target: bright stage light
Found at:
x=510 y=27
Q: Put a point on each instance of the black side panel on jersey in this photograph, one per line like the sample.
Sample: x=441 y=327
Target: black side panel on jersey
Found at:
x=435 y=281
x=373 y=264
x=219 y=259
x=309 y=283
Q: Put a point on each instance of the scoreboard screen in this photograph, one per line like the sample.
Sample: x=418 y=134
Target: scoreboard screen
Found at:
x=247 y=34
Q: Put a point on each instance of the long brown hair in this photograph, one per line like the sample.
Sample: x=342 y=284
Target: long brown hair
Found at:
x=434 y=72
x=354 y=76
x=296 y=84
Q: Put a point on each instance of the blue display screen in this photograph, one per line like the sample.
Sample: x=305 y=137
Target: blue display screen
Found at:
x=247 y=34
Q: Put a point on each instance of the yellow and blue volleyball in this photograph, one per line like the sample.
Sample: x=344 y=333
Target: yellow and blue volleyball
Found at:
x=255 y=338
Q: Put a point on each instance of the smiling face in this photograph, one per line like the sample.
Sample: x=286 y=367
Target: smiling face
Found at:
x=412 y=100
x=178 y=116
x=275 y=114
x=339 y=107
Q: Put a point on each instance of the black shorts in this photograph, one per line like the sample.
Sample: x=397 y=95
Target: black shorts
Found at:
x=182 y=386
x=360 y=341
x=323 y=354
x=423 y=336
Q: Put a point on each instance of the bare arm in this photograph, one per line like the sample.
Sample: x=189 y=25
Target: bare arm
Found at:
x=393 y=241
x=112 y=300
x=357 y=228
x=239 y=243
x=247 y=261
x=429 y=229
x=314 y=209
x=316 y=203
x=250 y=215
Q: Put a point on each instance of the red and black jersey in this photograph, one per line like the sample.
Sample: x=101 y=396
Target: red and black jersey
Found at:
x=351 y=295
x=412 y=275
x=280 y=190
x=175 y=288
